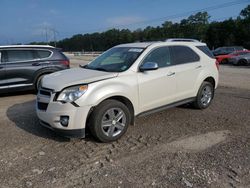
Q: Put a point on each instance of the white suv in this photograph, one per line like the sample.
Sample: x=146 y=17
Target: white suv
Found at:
x=126 y=81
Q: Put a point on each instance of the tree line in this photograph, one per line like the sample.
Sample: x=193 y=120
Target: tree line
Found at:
x=197 y=26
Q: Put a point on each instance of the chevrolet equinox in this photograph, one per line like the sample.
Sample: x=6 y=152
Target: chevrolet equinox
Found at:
x=126 y=81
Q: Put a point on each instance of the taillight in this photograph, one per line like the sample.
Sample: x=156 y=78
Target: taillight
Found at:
x=217 y=64
x=65 y=62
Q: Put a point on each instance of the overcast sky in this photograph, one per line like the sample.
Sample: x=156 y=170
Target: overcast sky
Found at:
x=23 y=21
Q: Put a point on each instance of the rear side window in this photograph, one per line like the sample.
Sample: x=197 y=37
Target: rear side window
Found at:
x=206 y=51
x=183 y=54
x=43 y=54
x=161 y=56
x=239 y=48
x=19 y=55
x=229 y=50
x=243 y=53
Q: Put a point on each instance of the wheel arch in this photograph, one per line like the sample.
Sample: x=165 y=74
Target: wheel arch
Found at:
x=121 y=99
x=211 y=80
x=41 y=72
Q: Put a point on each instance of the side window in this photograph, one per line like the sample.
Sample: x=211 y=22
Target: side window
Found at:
x=19 y=55
x=160 y=55
x=0 y=57
x=206 y=50
x=183 y=54
x=42 y=54
x=243 y=53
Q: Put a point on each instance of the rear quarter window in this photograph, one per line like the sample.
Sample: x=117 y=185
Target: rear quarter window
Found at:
x=206 y=51
x=182 y=55
x=43 y=54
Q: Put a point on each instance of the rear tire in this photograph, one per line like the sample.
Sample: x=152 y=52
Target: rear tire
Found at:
x=109 y=121
x=38 y=82
x=242 y=62
x=205 y=96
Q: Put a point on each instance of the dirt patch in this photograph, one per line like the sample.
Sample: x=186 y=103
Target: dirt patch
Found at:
x=199 y=142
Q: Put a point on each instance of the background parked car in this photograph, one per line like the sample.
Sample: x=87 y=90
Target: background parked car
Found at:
x=227 y=50
x=241 y=60
x=23 y=66
x=225 y=58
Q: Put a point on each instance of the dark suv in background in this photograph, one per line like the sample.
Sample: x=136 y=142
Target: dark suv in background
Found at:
x=23 y=66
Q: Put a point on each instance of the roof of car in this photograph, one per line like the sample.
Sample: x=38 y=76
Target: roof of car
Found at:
x=136 y=44
x=146 y=44
x=27 y=46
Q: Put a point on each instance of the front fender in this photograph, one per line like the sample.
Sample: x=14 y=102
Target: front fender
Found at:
x=102 y=90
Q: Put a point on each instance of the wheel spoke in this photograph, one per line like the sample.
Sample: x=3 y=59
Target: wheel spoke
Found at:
x=203 y=99
x=119 y=116
x=119 y=125
x=107 y=123
x=111 y=114
x=111 y=131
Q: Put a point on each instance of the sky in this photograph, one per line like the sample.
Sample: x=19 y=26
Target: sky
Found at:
x=24 y=21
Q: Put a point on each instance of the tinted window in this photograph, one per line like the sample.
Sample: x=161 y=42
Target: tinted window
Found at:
x=242 y=53
x=160 y=56
x=43 y=54
x=206 y=50
x=19 y=55
x=229 y=50
x=238 y=48
x=183 y=54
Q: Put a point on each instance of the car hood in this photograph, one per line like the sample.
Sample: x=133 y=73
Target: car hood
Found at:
x=59 y=80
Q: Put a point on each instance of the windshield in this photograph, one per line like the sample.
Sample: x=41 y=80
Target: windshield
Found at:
x=117 y=59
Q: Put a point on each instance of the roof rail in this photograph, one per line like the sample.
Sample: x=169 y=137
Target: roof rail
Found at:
x=181 y=40
x=26 y=46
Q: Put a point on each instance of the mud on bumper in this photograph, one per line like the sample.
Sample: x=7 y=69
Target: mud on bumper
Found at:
x=74 y=133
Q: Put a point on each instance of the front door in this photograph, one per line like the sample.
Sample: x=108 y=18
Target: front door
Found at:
x=157 y=87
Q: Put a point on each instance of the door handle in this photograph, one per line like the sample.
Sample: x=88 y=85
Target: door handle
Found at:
x=36 y=64
x=198 y=67
x=171 y=74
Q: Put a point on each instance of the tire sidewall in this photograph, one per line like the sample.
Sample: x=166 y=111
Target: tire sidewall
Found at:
x=38 y=82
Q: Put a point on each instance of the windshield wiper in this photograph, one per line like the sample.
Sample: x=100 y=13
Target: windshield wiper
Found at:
x=100 y=69
x=84 y=66
x=94 y=68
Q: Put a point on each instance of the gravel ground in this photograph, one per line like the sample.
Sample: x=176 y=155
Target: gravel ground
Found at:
x=179 y=147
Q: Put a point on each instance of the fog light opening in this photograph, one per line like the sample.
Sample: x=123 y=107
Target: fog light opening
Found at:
x=64 y=120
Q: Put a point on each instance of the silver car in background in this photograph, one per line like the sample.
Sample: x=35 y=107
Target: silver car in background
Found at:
x=240 y=60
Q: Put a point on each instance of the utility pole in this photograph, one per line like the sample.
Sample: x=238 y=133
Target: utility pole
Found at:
x=46 y=34
x=55 y=32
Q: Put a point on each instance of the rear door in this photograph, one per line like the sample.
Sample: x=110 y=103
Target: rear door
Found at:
x=20 y=65
x=187 y=69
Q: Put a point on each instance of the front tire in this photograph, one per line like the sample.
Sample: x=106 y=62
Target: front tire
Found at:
x=109 y=121
x=205 y=95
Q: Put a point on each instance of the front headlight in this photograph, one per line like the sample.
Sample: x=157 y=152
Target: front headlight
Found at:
x=72 y=93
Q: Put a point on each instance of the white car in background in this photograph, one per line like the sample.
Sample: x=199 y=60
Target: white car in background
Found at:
x=126 y=81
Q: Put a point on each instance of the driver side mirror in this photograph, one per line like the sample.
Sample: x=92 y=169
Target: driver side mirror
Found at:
x=149 y=66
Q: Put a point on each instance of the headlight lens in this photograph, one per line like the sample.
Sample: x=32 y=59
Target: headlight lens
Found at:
x=72 y=93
